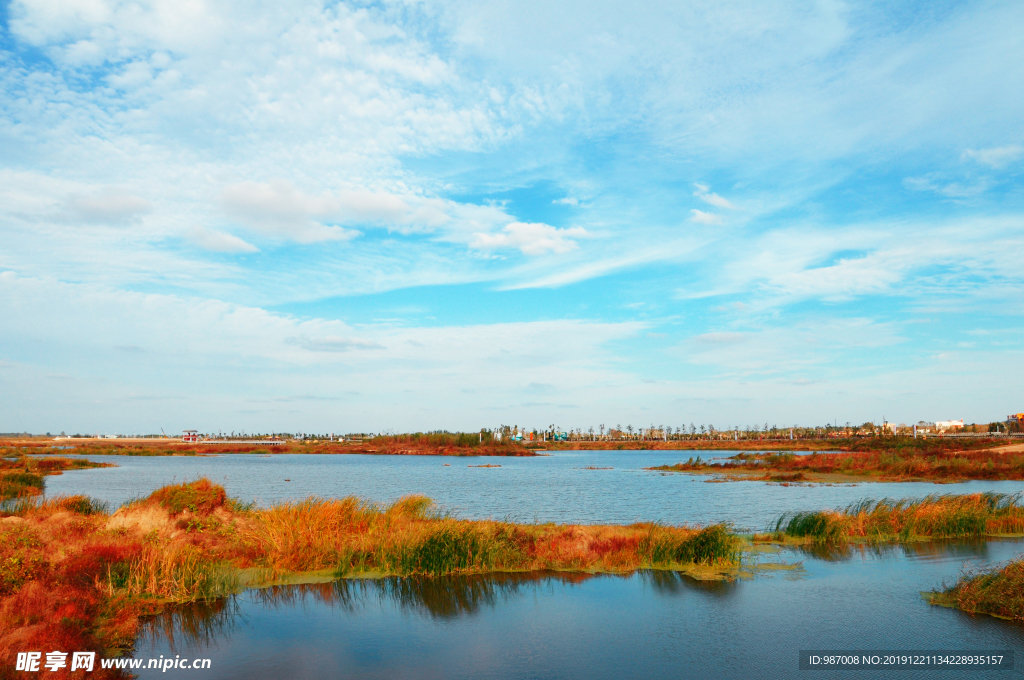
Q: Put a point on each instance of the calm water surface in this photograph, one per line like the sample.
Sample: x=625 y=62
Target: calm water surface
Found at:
x=553 y=488
x=650 y=624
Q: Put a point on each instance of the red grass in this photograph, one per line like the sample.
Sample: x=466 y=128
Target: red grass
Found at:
x=941 y=465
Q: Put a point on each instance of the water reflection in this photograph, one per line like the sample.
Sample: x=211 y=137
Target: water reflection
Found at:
x=674 y=584
x=945 y=550
x=192 y=626
x=649 y=624
x=441 y=598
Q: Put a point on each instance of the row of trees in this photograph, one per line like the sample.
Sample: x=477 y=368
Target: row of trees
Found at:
x=663 y=432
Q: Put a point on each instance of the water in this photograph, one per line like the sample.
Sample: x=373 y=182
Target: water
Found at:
x=649 y=624
x=551 y=488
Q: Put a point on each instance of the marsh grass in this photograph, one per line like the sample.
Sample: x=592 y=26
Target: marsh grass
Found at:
x=412 y=537
x=178 y=573
x=21 y=485
x=199 y=497
x=189 y=542
x=947 y=461
x=888 y=520
x=998 y=591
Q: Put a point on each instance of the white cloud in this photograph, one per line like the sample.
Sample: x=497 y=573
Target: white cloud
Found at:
x=705 y=194
x=334 y=343
x=531 y=238
x=932 y=182
x=219 y=241
x=568 y=200
x=701 y=217
x=277 y=208
x=995 y=157
x=109 y=207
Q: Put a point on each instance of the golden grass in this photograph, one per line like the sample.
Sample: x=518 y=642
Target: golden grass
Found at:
x=936 y=460
x=997 y=591
x=73 y=576
x=936 y=516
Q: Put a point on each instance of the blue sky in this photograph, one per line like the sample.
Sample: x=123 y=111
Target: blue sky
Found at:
x=452 y=215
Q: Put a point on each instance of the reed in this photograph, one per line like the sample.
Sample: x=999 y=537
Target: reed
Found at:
x=199 y=497
x=21 y=485
x=712 y=545
x=190 y=542
x=177 y=572
x=888 y=520
x=997 y=591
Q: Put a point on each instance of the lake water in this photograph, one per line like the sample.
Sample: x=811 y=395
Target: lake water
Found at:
x=552 y=488
x=647 y=625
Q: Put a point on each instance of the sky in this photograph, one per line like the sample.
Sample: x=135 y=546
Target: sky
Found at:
x=407 y=216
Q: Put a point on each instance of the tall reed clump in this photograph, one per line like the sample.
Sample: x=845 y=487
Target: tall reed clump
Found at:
x=410 y=537
x=21 y=485
x=713 y=545
x=200 y=497
x=176 y=572
x=310 y=535
x=888 y=520
x=447 y=547
x=999 y=592
x=406 y=537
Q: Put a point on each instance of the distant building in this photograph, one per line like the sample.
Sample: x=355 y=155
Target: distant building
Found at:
x=944 y=425
x=1017 y=418
x=191 y=436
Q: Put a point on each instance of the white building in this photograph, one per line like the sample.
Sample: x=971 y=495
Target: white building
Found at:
x=943 y=425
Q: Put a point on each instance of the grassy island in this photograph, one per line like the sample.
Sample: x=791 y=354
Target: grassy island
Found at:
x=917 y=460
x=900 y=521
x=74 y=576
x=997 y=592
x=23 y=476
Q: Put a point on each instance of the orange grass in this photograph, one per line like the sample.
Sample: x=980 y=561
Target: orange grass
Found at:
x=73 y=576
x=937 y=516
x=946 y=465
x=998 y=592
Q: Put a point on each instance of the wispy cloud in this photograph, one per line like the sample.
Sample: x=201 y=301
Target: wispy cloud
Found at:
x=531 y=238
x=702 y=217
x=705 y=194
x=995 y=157
x=219 y=241
x=514 y=162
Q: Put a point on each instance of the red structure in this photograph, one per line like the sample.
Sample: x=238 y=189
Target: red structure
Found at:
x=191 y=436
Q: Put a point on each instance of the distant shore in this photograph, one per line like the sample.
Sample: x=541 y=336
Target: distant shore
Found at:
x=466 y=445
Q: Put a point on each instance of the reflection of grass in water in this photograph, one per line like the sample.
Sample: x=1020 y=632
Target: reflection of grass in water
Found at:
x=446 y=597
x=189 y=542
x=440 y=597
x=193 y=626
x=675 y=583
x=842 y=552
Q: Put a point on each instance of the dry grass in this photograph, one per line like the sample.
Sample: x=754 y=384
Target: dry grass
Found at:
x=409 y=537
x=73 y=576
x=997 y=592
x=937 y=516
x=933 y=460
